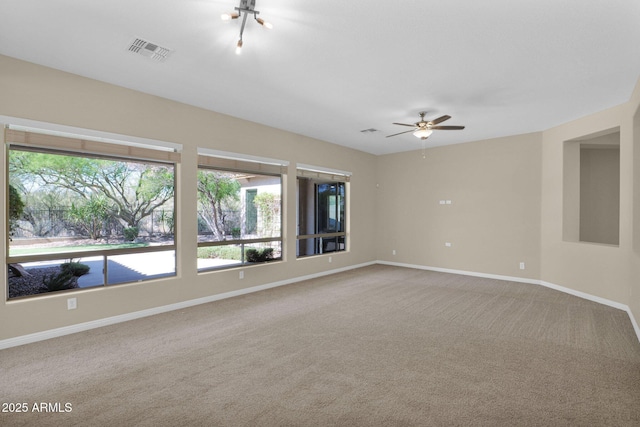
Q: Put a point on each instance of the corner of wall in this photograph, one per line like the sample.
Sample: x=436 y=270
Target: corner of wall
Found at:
x=634 y=267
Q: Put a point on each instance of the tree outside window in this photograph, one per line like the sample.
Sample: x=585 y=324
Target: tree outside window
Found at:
x=66 y=207
x=239 y=216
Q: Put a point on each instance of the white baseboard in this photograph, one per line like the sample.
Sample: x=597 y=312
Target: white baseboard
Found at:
x=58 y=332
x=584 y=295
x=597 y=299
x=634 y=323
x=463 y=272
x=80 y=327
x=563 y=289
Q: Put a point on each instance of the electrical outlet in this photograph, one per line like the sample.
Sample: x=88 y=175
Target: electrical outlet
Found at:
x=241 y=274
x=448 y=244
x=448 y=202
x=393 y=252
x=442 y=202
x=522 y=266
x=72 y=303
x=330 y=259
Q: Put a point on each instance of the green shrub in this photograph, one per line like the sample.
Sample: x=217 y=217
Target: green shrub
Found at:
x=130 y=233
x=75 y=268
x=89 y=216
x=236 y=232
x=59 y=282
x=222 y=252
x=258 y=255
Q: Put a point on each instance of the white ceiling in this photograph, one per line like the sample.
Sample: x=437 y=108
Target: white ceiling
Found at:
x=332 y=68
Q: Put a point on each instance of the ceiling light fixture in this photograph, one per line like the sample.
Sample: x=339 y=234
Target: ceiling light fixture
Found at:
x=246 y=7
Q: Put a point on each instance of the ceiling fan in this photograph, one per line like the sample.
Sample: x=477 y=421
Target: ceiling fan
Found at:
x=423 y=129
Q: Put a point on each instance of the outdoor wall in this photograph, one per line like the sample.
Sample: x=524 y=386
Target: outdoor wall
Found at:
x=492 y=222
x=37 y=93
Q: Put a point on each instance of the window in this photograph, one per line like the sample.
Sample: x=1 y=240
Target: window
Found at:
x=321 y=211
x=87 y=213
x=239 y=212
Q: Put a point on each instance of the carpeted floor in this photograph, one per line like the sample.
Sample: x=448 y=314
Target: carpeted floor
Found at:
x=377 y=346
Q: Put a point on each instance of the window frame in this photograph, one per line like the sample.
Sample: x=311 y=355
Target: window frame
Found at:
x=85 y=147
x=318 y=176
x=229 y=163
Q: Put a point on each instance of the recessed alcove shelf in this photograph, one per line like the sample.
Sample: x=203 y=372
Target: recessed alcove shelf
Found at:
x=591 y=188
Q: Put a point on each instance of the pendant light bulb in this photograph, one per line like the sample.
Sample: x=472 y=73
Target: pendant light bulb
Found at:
x=265 y=24
x=229 y=16
x=239 y=47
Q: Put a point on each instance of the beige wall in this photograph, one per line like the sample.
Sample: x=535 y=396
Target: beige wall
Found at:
x=600 y=195
x=493 y=221
x=634 y=269
x=507 y=206
x=599 y=270
x=36 y=93
x=591 y=188
x=506 y=200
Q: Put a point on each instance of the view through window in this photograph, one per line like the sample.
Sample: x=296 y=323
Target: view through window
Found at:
x=321 y=213
x=82 y=220
x=239 y=217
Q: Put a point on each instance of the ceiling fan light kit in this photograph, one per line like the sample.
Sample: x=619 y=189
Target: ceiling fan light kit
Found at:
x=245 y=8
x=423 y=133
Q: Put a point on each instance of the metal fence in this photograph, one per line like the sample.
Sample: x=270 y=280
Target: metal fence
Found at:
x=54 y=222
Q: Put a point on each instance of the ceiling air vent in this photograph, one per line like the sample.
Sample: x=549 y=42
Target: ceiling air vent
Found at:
x=370 y=130
x=150 y=50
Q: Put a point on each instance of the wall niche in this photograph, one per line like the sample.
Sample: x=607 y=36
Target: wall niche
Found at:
x=591 y=188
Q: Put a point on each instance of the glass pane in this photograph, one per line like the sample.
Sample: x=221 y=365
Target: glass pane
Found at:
x=306 y=247
x=321 y=209
x=333 y=244
x=62 y=203
x=320 y=245
x=138 y=267
x=32 y=278
x=219 y=256
x=262 y=252
x=213 y=257
x=330 y=207
x=251 y=212
x=340 y=207
x=326 y=218
x=234 y=205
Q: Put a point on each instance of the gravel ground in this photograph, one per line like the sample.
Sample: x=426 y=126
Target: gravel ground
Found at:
x=20 y=286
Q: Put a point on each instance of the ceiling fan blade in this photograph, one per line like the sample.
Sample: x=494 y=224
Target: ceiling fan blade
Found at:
x=440 y=119
x=404 y=124
x=447 y=127
x=407 y=131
